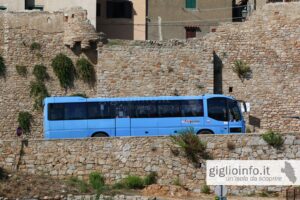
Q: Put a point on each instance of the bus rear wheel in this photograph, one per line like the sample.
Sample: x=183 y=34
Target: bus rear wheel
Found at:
x=205 y=132
x=100 y=135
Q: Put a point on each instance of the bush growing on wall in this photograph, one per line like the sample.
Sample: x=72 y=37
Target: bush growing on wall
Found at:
x=39 y=91
x=40 y=73
x=24 y=120
x=86 y=71
x=273 y=139
x=21 y=70
x=189 y=142
x=2 y=67
x=64 y=69
x=35 y=46
x=242 y=69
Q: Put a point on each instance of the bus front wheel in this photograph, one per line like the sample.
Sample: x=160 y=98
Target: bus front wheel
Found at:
x=206 y=132
x=100 y=135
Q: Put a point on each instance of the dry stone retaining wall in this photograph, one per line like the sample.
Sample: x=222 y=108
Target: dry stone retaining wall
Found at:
x=116 y=158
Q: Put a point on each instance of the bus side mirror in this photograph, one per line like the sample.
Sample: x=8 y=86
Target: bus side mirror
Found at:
x=245 y=106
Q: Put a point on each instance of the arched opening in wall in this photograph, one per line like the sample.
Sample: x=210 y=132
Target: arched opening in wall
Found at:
x=218 y=74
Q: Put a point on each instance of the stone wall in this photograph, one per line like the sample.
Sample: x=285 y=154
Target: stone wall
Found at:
x=153 y=69
x=269 y=42
x=18 y=32
x=115 y=158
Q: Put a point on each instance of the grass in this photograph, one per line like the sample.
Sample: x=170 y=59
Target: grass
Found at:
x=96 y=180
x=190 y=143
x=242 y=69
x=136 y=182
x=205 y=189
x=80 y=184
x=150 y=179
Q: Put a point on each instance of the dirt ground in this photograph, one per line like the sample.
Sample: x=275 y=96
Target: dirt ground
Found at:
x=23 y=186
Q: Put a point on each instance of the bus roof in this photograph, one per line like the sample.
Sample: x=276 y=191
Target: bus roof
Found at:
x=65 y=99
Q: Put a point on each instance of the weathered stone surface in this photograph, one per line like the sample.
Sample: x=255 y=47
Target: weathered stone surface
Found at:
x=139 y=161
x=269 y=42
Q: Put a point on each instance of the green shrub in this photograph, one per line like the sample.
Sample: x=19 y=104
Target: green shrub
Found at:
x=205 y=189
x=80 y=184
x=96 y=180
x=242 y=69
x=35 y=46
x=40 y=73
x=86 y=71
x=39 y=91
x=134 y=182
x=2 y=67
x=130 y=182
x=118 y=185
x=191 y=144
x=150 y=178
x=25 y=119
x=64 y=69
x=22 y=70
x=273 y=139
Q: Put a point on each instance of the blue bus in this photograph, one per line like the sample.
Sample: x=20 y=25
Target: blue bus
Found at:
x=78 y=117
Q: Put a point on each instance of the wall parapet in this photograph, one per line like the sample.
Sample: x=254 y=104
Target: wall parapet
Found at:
x=115 y=158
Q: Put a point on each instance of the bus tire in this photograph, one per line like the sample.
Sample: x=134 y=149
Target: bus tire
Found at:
x=205 y=132
x=101 y=134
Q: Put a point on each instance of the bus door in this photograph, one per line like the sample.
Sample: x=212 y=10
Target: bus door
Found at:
x=123 y=121
x=236 y=122
x=217 y=115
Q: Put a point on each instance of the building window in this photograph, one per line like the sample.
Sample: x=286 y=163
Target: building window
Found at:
x=190 y=4
x=98 y=11
x=190 y=32
x=119 y=9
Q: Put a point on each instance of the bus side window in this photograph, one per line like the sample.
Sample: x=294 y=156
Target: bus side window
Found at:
x=192 y=108
x=122 y=109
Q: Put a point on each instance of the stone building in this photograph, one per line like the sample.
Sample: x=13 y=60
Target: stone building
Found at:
x=149 y=19
x=51 y=5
